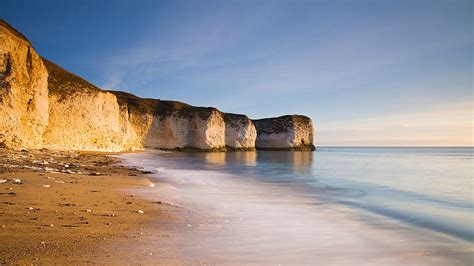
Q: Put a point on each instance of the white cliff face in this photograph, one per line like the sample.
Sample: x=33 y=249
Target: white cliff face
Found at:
x=286 y=132
x=23 y=91
x=82 y=117
x=240 y=132
x=88 y=122
x=199 y=129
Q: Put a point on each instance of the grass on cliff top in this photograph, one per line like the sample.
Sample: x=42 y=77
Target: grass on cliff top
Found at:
x=63 y=82
x=279 y=124
x=15 y=32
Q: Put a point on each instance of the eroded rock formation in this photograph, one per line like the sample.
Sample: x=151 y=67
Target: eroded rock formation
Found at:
x=43 y=105
x=83 y=117
x=174 y=125
x=240 y=132
x=23 y=91
x=289 y=132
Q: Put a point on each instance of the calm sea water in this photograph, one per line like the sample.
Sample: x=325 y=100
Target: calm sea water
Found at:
x=333 y=206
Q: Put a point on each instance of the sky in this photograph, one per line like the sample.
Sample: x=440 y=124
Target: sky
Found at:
x=369 y=73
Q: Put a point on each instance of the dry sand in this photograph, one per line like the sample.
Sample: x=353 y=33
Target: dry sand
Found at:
x=74 y=208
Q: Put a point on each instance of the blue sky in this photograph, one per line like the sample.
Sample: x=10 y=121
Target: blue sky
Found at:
x=367 y=72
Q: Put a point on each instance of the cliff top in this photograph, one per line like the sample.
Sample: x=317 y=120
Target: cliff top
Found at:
x=279 y=124
x=62 y=82
x=15 y=32
x=159 y=107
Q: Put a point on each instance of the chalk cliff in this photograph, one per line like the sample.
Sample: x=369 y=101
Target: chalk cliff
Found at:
x=44 y=106
x=83 y=117
x=289 y=132
x=240 y=132
x=23 y=91
x=174 y=125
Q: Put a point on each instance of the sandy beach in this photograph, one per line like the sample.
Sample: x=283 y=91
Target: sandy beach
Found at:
x=72 y=208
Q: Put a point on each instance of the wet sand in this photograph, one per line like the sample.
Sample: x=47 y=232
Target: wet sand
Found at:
x=75 y=208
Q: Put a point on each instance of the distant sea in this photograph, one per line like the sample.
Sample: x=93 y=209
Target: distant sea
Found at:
x=337 y=205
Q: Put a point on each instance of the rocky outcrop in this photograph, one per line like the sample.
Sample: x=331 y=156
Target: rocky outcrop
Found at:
x=23 y=91
x=289 y=132
x=174 y=125
x=240 y=132
x=44 y=106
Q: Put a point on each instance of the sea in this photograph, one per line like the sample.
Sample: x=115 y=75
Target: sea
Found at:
x=332 y=206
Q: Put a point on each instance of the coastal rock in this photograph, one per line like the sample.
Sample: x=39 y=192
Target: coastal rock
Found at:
x=83 y=117
x=44 y=106
x=240 y=132
x=173 y=125
x=289 y=132
x=196 y=127
x=23 y=91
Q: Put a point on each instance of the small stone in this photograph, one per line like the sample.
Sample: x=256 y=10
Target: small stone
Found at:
x=66 y=165
x=88 y=210
x=31 y=208
x=152 y=185
x=17 y=181
x=46 y=185
x=140 y=212
x=42 y=243
x=3 y=181
x=51 y=225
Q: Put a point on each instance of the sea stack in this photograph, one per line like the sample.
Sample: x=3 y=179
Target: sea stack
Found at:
x=289 y=132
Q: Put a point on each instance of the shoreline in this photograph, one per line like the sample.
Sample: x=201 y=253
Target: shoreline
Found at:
x=73 y=207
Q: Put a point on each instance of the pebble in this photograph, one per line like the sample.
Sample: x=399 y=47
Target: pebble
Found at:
x=3 y=181
x=152 y=185
x=17 y=181
x=140 y=212
x=46 y=185
x=31 y=208
x=52 y=225
x=88 y=210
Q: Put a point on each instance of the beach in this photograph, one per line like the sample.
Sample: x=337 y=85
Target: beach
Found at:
x=73 y=208
x=260 y=208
